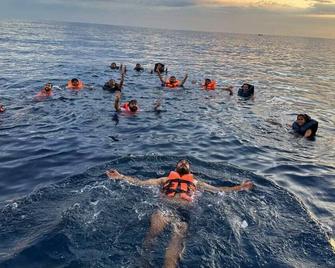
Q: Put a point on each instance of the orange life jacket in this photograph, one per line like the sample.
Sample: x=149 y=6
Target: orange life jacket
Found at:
x=184 y=185
x=71 y=86
x=125 y=107
x=210 y=86
x=172 y=85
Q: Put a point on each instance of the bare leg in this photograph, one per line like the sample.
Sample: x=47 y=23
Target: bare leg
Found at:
x=175 y=247
x=157 y=224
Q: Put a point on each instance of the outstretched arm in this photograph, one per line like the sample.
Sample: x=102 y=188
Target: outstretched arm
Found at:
x=117 y=101
x=229 y=89
x=184 y=80
x=113 y=174
x=160 y=77
x=246 y=185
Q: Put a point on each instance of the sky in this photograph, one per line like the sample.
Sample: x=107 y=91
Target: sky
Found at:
x=311 y=18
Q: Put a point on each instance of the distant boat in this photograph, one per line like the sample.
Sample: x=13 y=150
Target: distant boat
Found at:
x=260 y=34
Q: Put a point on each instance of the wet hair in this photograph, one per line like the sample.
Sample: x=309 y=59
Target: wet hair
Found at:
x=74 y=80
x=208 y=80
x=48 y=85
x=305 y=116
x=133 y=102
x=183 y=160
x=133 y=108
x=183 y=171
x=161 y=69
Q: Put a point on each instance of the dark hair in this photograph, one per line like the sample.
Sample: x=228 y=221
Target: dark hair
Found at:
x=133 y=101
x=74 y=80
x=305 y=116
x=161 y=69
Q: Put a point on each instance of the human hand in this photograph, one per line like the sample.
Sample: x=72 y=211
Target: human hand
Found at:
x=247 y=185
x=113 y=174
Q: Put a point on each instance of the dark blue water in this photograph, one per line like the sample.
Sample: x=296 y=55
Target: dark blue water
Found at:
x=59 y=210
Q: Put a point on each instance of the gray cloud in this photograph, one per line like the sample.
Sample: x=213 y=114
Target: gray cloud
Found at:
x=322 y=9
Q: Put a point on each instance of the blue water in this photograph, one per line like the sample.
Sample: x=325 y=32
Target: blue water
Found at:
x=59 y=210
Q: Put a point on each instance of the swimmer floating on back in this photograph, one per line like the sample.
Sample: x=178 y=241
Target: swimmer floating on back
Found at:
x=178 y=188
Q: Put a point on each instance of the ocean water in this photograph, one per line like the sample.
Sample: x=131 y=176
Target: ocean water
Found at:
x=57 y=208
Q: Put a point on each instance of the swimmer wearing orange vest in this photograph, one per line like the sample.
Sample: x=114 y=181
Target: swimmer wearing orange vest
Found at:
x=45 y=92
x=75 y=84
x=211 y=85
x=130 y=106
x=178 y=189
x=172 y=82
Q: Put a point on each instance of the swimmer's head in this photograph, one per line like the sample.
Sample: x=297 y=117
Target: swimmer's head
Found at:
x=183 y=167
x=48 y=87
x=133 y=106
x=111 y=83
x=207 y=81
x=245 y=87
x=75 y=82
x=2 y=108
x=113 y=65
x=159 y=67
x=172 y=79
x=302 y=119
x=138 y=66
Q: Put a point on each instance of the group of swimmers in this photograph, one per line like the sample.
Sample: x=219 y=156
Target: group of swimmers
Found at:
x=304 y=124
x=180 y=185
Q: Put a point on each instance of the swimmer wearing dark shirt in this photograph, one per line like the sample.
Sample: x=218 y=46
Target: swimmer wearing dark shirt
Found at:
x=246 y=91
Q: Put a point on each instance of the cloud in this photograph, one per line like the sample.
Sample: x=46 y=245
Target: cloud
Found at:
x=322 y=9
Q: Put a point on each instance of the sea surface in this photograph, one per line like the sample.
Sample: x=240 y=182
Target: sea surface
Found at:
x=57 y=207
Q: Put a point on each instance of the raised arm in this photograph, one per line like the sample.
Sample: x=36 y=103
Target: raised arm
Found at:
x=117 y=101
x=113 y=174
x=246 y=185
x=160 y=77
x=184 y=80
x=122 y=71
